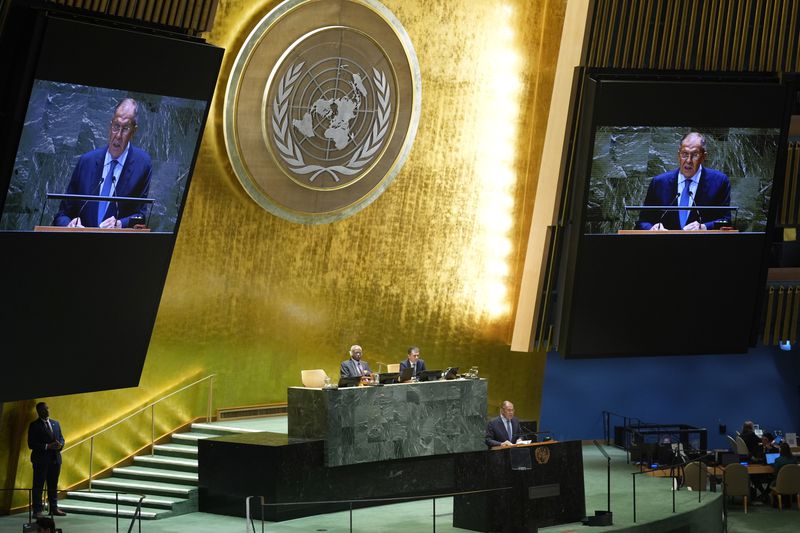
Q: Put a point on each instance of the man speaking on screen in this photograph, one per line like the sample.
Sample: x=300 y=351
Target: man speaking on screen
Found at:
x=690 y=185
x=119 y=169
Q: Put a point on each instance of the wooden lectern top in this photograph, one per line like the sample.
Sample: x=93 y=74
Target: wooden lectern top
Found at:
x=65 y=229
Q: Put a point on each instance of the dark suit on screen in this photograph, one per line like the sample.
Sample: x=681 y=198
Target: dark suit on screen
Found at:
x=134 y=181
x=46 y=463
x=418 y=368
x=714 y=188
x=497 y=434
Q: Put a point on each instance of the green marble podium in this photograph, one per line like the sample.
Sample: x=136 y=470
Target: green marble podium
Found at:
x=378 y=423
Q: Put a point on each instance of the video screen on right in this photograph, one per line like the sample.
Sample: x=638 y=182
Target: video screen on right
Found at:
x=639 y=174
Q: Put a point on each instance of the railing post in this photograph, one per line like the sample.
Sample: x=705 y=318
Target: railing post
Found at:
x=633 y=476
x=91 y=458
x=153 y=429
x=434 y=515
x=210 y=398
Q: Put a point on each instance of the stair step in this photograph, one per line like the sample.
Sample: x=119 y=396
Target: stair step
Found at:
x=140 y=486
x=221 y=429
x=163 y=502
x=166 y=462
x=109 y=509
x=157 y=474
x=188 y=451
x=191 y=437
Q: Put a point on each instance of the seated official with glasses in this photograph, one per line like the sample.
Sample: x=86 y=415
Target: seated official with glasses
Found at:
x=690 y=185
x=118 y=169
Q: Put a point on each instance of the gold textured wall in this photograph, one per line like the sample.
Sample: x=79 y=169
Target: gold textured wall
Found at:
x=435 y=261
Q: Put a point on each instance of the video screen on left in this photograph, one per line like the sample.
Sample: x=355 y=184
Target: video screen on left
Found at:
x=80 y=144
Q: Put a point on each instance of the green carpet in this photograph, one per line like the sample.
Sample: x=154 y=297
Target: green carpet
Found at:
x=653 y=498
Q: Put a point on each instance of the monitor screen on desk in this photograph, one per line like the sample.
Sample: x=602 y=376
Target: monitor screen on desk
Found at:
x=430 y=375
x=349 y=381
x=771 y=457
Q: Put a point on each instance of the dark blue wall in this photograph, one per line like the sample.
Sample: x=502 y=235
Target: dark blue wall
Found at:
x=762 y=385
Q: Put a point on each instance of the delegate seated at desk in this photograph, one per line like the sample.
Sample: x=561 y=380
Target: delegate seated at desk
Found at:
x=785 y=458
x=753 y=441
x=354 y=367
x=691 y=184
x=413 y=361
x=503 y=430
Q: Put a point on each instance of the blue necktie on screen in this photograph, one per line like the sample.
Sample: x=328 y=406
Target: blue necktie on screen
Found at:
x=684 y=200
x=109 y=179
x=508 y=430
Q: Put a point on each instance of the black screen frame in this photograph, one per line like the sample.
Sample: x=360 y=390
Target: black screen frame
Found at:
x=65 y=330
x=629 y=98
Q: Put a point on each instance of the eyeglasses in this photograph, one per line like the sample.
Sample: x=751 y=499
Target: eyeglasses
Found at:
x=116 y=128
x=694 y=156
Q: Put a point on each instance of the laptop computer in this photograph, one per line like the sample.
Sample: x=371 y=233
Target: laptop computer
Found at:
x=349 y=381
x=771 y=457
x=405 y=375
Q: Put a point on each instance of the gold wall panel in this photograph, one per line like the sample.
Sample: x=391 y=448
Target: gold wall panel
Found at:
x=435 y=261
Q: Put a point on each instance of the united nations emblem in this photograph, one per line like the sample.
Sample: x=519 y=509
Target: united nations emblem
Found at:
x=318 y=128
x=542 y=455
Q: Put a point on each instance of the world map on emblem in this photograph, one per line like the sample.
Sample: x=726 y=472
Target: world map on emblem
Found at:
x=329 y=120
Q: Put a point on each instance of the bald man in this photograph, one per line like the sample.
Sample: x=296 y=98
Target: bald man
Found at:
x=354 y=367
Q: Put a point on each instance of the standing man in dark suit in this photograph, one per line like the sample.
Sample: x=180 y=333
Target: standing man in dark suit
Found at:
x=119 y=169
x=503 y=430
x=414 y=362
x=689 y=185
x=354 y=367
x=45 y=441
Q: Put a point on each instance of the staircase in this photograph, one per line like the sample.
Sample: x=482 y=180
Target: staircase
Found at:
x=168 y=479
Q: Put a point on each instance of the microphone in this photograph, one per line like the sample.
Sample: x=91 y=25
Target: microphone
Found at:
x=677 y=195
x=99 y=184
x=694 y=203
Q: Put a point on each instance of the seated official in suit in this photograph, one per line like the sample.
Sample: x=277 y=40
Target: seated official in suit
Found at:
x=689 y=185
x=119 y=169
x=504 y=429
x=413 y=361
x=354 y=367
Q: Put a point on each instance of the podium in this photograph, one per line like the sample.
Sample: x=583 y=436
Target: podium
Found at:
x=86 y=198
x=548 y=493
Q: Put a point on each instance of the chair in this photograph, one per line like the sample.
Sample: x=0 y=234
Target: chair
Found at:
x=788 y=483
x=313 y=379
x=695 y=476
x=733 y=445
x=741 y=447
x=737 y=482
x=393 y=368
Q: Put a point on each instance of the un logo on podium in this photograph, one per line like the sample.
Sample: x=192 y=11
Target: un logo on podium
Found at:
x=318 y=123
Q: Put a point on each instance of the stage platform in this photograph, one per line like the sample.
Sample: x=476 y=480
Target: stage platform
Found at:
x=654 y=510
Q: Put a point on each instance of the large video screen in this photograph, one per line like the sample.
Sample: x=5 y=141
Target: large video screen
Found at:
x=71 y=135
x=102 y=124
x=636 y=169
x=673 y=182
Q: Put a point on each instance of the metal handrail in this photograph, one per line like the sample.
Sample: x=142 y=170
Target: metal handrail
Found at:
x=151 y=406
x=397 y=499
